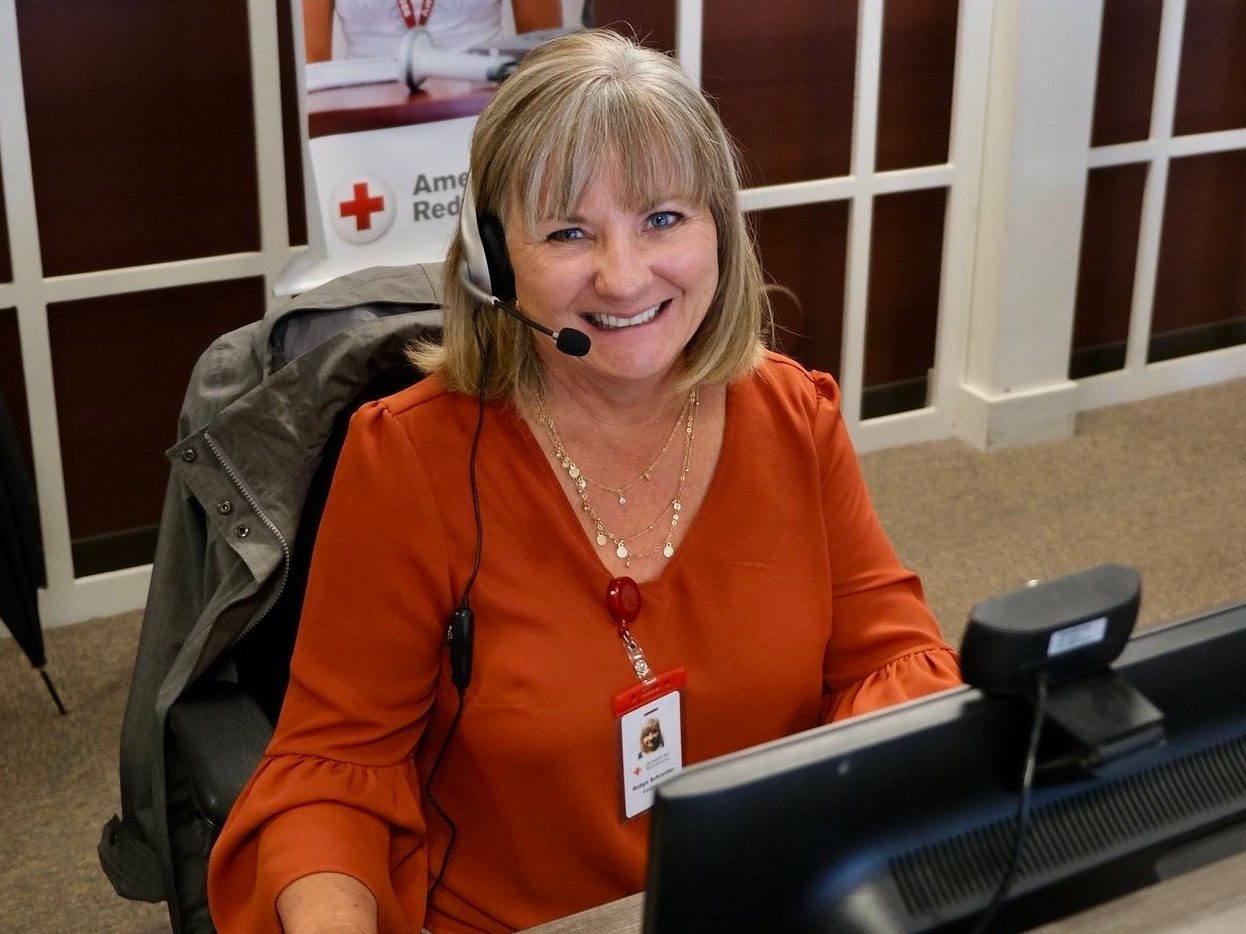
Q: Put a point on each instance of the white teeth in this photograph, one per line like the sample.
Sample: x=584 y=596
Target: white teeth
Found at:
x=610 y=321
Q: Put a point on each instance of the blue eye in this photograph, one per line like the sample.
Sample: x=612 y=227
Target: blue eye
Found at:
x=664 y=219
x=566 y=235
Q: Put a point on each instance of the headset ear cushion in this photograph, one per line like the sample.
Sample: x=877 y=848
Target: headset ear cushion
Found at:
x=493 y=239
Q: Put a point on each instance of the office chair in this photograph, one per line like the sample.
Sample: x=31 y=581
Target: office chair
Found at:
x=261 y=427
x=222 y=727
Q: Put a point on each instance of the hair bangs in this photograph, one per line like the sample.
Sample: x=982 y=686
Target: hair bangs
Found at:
x=649 y=145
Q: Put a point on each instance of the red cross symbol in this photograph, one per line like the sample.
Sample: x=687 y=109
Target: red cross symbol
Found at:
x=636 y=771
x=362 y=207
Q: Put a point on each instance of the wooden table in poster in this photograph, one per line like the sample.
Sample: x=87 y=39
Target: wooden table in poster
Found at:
x=379 y=106
x=1208 y=900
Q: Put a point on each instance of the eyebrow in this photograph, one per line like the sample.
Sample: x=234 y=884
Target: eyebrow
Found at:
x=646 y=208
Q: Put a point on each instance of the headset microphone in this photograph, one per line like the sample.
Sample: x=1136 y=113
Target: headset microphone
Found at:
x=570 y=341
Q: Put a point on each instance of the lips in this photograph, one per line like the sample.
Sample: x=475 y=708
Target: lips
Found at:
x=615 y=323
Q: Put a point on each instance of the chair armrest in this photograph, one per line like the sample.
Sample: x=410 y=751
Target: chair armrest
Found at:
x=222 y=734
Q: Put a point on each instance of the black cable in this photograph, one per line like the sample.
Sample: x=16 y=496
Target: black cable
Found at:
x=464 y=605
x=428 y=790
x=471 y=462
x=1023 y=805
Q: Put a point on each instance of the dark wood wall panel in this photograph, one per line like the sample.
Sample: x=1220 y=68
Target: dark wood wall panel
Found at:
x=1105 y=278
x=1128 y=46
x=141 y=131
x=783 y=76
x=1201 y=280
x=915 y=92
x=804 y=250
x=652 y=22
x=906 y=259
x=12 y=385
x=291 y=138
x=6 y=254
x=120 y=365
x=1211 y=88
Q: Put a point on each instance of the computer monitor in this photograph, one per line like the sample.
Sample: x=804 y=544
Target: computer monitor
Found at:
x=903 y=820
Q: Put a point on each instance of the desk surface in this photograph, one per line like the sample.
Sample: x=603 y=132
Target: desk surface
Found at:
x=1210 y=900
x=389 y=104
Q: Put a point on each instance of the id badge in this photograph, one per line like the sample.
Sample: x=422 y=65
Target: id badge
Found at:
x=650 y=738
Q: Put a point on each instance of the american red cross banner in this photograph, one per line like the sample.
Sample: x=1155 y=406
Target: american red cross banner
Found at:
x=390 y=112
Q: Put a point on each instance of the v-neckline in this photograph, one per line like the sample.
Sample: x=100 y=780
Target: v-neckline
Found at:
x=587 y=546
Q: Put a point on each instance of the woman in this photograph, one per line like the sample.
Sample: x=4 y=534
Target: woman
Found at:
x=677 y=452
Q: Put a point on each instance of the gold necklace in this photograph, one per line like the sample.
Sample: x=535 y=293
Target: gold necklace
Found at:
x=578 y=474
x=604 y=536
x=647 y=473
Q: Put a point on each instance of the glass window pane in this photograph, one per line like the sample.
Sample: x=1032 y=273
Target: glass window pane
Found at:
x=915 y=92
x=1105 y=280
x=783 y=77
x=1128 y=46
x=1211 y=89
x=803 y=250
x=142 y=137
x=291 y=141
x=650 y=21
x=1200 y=289
x=906 y=268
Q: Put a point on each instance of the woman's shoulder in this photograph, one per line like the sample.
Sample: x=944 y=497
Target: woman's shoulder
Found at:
x=780 y=380
x=424 y=409
x=427 y=398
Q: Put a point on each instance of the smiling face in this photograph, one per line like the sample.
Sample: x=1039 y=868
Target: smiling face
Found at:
x=638 y=279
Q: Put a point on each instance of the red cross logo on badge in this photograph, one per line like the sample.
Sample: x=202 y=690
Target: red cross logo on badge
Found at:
x=361 y=208
x=636 y=771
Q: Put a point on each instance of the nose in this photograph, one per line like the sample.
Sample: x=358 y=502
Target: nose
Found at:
x=623 y=269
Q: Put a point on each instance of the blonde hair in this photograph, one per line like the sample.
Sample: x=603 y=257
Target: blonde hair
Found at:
x=575 y=105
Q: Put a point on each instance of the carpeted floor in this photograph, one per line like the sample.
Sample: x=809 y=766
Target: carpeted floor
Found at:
x=58 y=782
x=1159 y=484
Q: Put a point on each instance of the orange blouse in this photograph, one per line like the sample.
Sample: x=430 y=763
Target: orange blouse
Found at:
x=785 y=603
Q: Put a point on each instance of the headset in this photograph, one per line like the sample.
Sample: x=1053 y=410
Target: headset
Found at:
x=485 y=272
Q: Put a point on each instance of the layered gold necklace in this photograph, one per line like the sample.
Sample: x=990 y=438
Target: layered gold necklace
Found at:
x=605 y=537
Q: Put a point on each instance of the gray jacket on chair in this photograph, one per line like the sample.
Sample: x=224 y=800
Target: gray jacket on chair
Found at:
x=258 y=409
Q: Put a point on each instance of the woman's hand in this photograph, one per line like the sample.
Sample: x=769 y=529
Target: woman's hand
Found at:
x=327 y=903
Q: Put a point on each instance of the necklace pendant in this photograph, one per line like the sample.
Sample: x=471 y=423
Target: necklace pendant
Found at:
x=601 y=538
x=622 y=500
x=667 y=550
x=574 y=471
x=621 y=552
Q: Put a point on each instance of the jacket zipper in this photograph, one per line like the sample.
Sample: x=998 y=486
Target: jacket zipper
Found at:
x=272 y=527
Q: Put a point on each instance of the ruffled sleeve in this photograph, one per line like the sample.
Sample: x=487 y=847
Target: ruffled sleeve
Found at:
x=885 y=646
x=906 y=678
x=301 y=815
x=337 y=790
